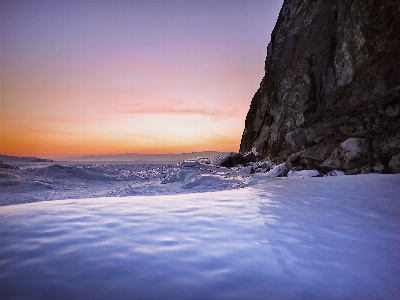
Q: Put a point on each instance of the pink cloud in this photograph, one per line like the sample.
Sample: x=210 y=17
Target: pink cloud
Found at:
x=168 y=105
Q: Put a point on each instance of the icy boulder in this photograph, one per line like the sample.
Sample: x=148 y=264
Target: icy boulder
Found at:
x=303 y=173
x=354 y=148
x=280 y=170
x=394 y=163
x=180 y=175
x=247 y=170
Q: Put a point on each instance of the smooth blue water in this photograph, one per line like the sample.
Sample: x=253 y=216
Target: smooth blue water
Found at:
x=264 y=243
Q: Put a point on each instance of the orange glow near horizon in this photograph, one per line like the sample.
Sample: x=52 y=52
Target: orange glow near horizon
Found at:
x=41 y=145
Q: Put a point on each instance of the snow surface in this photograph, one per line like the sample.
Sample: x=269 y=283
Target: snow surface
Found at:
x=296 y=237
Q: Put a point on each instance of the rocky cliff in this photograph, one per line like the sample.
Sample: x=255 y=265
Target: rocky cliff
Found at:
x=330 y=96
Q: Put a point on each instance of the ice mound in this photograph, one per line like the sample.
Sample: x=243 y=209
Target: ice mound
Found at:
x=7 y=179
x=204 y=175
x=56 y=181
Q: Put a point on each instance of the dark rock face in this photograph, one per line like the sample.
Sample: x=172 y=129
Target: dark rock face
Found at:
x=331 y=87
x=233 y=159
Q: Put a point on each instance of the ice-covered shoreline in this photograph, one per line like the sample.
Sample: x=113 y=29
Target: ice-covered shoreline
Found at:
x=27 y=182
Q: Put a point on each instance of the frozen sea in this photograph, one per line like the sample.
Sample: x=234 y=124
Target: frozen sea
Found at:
x=34 y=182
x=196 y=231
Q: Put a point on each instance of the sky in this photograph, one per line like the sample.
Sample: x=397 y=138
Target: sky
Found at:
x=107 y=77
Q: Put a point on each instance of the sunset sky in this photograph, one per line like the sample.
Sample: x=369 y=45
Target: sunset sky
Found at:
x=107 y=77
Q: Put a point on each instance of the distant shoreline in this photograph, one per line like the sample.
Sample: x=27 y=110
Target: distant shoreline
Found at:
x=135 y=158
